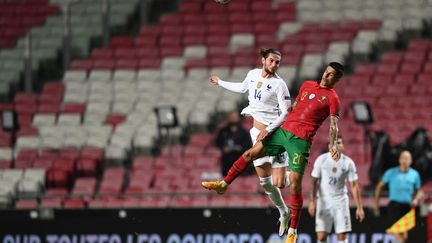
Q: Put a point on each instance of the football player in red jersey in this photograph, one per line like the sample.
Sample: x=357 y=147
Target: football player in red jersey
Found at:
x=316 y=101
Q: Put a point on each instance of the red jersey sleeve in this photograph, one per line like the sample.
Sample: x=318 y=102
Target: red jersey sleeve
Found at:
x=334 y=105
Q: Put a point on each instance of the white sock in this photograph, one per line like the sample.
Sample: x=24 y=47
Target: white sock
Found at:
x=324 y=241
x=292 y=231
x=287 y=178
x=343 y=241
x=274 y=194
x=224 y=184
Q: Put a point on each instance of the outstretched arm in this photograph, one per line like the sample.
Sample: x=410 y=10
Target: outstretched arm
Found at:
x=356 y=191
x=231 y=86
x=333 y=133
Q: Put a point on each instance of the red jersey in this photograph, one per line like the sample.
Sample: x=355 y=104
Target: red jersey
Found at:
x=314 y=105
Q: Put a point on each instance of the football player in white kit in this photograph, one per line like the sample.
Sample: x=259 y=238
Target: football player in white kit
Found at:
x=269 y=100
x=330 y=205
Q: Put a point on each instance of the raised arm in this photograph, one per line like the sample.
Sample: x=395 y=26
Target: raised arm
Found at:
x=356 y=191
x=333 y=132
x=231 y=86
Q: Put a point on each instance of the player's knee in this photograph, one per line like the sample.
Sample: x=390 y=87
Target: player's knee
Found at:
x=296 y=182
x=266 y=183
x=295 y=187
x=322 y=238
x=279 y=182
x=247 y=155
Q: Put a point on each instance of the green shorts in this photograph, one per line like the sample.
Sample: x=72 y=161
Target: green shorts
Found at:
x=298 y=149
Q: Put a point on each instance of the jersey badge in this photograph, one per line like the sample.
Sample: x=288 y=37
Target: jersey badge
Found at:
x=334 y=169
x=303 y=95
x=311 y=96
x=259 y=84
x=322 y=99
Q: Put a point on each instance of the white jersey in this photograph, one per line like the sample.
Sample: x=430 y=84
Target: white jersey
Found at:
x=333 y=175
x=269 y=98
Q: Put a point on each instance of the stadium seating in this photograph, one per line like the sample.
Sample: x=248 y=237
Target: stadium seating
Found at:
x=44 y=21
x=101 y=115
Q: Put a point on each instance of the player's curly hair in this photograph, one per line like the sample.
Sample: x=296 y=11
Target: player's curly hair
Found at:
x=265 y=52
x=340 y=69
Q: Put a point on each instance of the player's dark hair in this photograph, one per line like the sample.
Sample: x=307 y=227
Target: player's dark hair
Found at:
x=265 y=52
x=340 y=69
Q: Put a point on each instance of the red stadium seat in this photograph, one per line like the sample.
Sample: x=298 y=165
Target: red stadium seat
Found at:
x=393 y=57
x=411 y=67
x=195 y=29
x=121 y=41
x=387 y=69
x=414 y=56
x=125 y=64
x=404 y=78
x=84 y=187
x=57 y=178
x=216 y=18
x=23 y=163
x=56 y=192
x=106 y=64
x=92 y=153
x=382 y=79
x=170 y=19
x=170 y=51
x=81 y=65
x=101 y=53
x=241 y=28
x=211 y=7
x=238 y=7
x=51 y=202
x=419 y=45
x=73 y=203
x=191 y=7
x=362 y=69
x=26 y=204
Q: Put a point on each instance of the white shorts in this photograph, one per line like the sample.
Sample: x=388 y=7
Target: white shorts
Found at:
x=278 y=161
x=333 y=211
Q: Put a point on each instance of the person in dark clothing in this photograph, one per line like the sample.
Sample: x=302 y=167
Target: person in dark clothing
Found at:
x=232 y=139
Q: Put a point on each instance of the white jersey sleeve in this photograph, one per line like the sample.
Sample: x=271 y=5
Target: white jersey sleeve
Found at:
x=316 y=170
x=284 y=101
x=235 y=86
x=352 y=171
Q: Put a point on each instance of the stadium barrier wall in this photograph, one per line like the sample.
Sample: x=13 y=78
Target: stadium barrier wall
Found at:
x=175 y=226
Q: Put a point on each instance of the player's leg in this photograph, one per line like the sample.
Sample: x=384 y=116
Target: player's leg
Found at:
x=322 y=237
x=342 y=219
x=323 y=221
x=298 y=151
x=239 y=166
x=280 y=173
x=342 y=238
x=264 y=171
x=263 y=167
